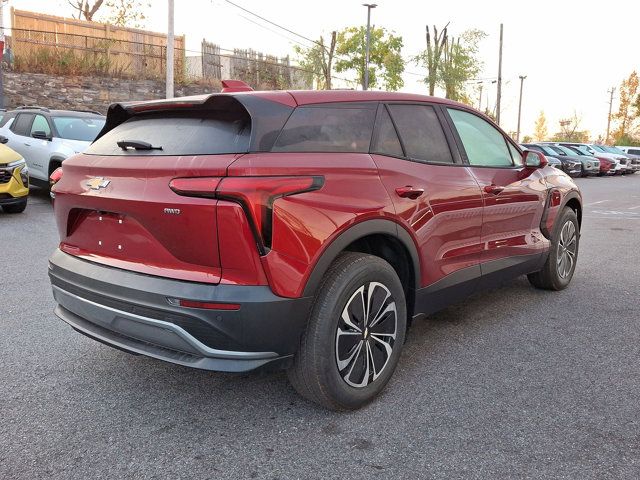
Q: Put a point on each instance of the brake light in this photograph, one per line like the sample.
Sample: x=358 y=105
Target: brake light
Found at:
x=195 y=187
x=55 y=176
x=255 y=194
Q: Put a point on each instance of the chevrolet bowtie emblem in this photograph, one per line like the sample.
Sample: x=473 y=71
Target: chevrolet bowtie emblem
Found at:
x=97 y=183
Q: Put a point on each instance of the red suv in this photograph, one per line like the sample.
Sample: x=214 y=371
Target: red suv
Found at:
x=299 y=230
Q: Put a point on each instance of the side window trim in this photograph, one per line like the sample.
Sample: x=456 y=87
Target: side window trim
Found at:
x=463 y=152
x=454 y=153
x=26 y=133
x=395 y=128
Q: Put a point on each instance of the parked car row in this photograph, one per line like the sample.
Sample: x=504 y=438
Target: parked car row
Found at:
x=587 y=159
x=35 y=140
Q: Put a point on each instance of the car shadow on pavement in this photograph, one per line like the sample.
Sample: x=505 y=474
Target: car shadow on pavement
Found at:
x=186 y=392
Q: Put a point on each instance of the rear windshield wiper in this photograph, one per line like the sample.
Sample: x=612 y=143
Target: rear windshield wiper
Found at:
x=137 y=145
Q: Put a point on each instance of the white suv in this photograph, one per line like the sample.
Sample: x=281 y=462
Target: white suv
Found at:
x=46 y=137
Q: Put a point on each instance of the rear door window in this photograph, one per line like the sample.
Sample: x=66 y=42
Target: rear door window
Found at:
x=421 y=133
x=205 y=133
x=22 y=124
x=386 y=141
x=328 y=128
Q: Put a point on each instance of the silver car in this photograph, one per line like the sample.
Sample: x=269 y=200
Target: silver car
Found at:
x=46 y=137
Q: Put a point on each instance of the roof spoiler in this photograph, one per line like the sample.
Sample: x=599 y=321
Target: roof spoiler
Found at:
x=229 y=86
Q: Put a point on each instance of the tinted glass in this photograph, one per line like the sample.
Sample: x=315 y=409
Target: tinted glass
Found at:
x=178 y=134
x=485 y=146
x=421 y=133
x=515 y=154
x=40 y=124
x=85 y=129
x=598 y=148
x=634 y=151
x=386 y=142
x=22 y=124
x=327 y=129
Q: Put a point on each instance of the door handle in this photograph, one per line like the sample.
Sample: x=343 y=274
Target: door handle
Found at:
x=409 y=192
x=27 y=144
x=495 y=189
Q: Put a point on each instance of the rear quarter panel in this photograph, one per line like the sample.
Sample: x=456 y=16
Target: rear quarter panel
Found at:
x=305 y=224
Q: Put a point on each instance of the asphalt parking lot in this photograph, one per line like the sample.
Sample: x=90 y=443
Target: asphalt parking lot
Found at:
x=514 y=383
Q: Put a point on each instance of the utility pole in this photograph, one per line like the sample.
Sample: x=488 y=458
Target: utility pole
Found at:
x=613 y=89
x=2 y=4
x=522 y=77
x=499 y=97
x=170 y=50
x=480 y=97
x=366 y=63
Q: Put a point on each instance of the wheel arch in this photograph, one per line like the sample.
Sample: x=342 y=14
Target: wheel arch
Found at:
x=53 y=161
x=383 y=238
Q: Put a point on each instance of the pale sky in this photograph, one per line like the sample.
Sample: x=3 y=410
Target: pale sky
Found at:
x=572 y=52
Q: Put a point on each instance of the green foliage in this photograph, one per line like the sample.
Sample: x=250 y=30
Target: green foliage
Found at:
x=461 y=63
x=385 y=61
x=127 y=13
x=316 y=62
x=451 y=62
x=628 y=140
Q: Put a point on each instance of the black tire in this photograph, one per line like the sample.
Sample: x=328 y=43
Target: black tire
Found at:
x=559 y=268
x=16 y=207
x=315 y=373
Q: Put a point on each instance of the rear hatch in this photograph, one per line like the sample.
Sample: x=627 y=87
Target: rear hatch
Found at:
x=114 y=206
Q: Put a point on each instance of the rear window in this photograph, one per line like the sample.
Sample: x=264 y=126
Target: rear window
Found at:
x=85 y=129
x=193 y=133
x=327 y=129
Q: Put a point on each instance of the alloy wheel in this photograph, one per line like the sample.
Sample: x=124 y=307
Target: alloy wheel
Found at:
x=567 y=246
x=366 y=334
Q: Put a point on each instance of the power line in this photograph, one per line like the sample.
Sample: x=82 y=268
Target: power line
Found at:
x=273 y=23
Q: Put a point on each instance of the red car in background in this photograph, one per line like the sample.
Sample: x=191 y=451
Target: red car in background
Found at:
x=299 y=230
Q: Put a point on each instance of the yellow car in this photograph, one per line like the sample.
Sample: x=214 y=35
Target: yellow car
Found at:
x=14 y=181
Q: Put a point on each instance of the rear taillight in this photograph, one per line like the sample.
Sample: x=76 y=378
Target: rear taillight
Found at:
x=255 y=194
x=53 y=179
x=55 y=176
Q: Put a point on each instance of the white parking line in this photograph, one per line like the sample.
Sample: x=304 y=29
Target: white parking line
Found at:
x=633 y=208
x=596 y=203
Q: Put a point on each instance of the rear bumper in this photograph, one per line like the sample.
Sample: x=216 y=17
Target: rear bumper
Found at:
x=131 y=312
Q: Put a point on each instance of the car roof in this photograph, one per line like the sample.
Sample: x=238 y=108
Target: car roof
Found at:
x=294 y=98
x=69 y=113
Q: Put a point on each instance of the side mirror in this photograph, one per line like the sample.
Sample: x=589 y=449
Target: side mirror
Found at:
x=533 y=159
x=41 y=135
x=3 y=139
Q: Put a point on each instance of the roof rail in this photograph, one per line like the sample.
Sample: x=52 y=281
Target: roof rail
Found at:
x=235 y=86
x=87 y=111
x=32 y=107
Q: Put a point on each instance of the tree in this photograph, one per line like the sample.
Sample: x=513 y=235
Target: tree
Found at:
x=84 y=9
x=460 y=64
x=527 y=139
x=385 y=61
x=124 y=13
x=626 y=119
x=451 y=62
x=317 y=61
x=431 y=58
x=127 y=13
x=569 y=130
x=540 y=130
